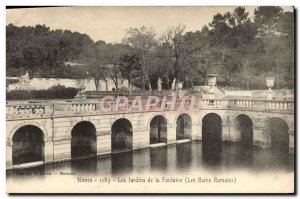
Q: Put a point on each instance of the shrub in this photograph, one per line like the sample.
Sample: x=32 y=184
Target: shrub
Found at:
x=55 y=92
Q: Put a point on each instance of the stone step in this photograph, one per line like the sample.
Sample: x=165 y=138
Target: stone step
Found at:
x=158 y=145
x=183 y=141
x=28 y=165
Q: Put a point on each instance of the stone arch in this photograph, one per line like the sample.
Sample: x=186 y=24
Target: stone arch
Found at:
x=183 y=126
x=212 y=112
x=277 y=132
x=83 y=140
x=211 y=130
x=244 y=129
x=18 y=126
x=28 y=145
x=157 y=114
x=284 y=117
x=158 y=130
x=121 y=135
x=249 y=114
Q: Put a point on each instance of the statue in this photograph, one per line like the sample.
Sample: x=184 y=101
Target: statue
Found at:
x=173 y=84
x=24 y=79
x=159 y=82
x=81 y=92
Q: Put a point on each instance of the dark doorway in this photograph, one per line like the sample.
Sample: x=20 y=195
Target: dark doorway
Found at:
x=84 y=140
x=244 y=126
x=28 y=145
x=278 y=129
x=212 y=138
x=183 y=127
x=121 y=138
x=158 y=130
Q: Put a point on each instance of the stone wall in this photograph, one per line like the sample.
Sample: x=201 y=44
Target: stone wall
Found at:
x=45 y=83
x=57 y=130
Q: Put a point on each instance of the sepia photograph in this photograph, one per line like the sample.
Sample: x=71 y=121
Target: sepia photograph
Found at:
x=150 y=100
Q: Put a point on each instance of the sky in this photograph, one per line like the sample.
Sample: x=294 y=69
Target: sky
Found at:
x=110 y=23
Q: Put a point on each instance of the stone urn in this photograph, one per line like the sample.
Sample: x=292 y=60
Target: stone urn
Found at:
x=270 y=83
x=211 y=81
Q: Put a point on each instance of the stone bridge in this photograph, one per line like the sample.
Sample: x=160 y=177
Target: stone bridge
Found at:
x=48 y=131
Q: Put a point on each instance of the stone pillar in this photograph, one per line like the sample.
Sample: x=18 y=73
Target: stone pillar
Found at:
x=103 y=142
x=225 y=132
x=8 y=156
x=196 y=131
x=48 y=151
x=171 y=134
x=261 y=137
x=234 y=134
x=291 y=142
x=141 y=138
x=62 y=149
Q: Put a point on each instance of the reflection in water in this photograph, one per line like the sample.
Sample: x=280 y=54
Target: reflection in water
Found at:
x=183 y=156
x=84 y=166
x=121 y=163
x=187 y=156
x=159 y=158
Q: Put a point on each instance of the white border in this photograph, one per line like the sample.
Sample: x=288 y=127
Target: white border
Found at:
x=4 y=3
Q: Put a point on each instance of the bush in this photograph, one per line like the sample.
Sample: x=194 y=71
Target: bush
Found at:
x=55 y=92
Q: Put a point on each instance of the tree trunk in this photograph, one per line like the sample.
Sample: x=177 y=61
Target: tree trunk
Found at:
x=117 y=84
x=247 y=84
x=106 y=85
x=176 y=71
x=129 y=85
x=149 y=84
x=96 y=84
x=143 y=82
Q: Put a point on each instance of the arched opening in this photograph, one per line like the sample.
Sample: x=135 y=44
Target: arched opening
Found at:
x=84 y=140
x=28 y=145
x=212 y=137
x=121 y=138
x=158 y=130
x=183 y=127
x=278 y=129
x=244 y=126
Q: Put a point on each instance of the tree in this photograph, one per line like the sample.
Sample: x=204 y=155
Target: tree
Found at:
x=129 y=67
x=266 y=19
x=143 y=41
x=176 y=44
x=247 y=71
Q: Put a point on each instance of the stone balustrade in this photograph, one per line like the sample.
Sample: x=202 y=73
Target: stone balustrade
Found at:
x=243 y=103
x=211 y=103
x=44 y=108
x=279 y=105
x=276 y=105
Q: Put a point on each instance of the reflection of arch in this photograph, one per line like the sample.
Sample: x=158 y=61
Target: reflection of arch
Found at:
x=28 y=145
x=183 y=127
x=158 y=130
x=121 y=137
x=277 y=131
x=244 y=126
x=211 y=130
x=84 y=140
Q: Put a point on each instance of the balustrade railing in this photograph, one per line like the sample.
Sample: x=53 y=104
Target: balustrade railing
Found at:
x=211 y=103
x=37 y=109
x=279 y=105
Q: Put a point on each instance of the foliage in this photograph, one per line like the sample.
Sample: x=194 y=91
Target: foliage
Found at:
x=242 y=50
x=55 y=92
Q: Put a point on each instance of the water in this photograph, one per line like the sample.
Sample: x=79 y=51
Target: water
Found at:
x=167 y=159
